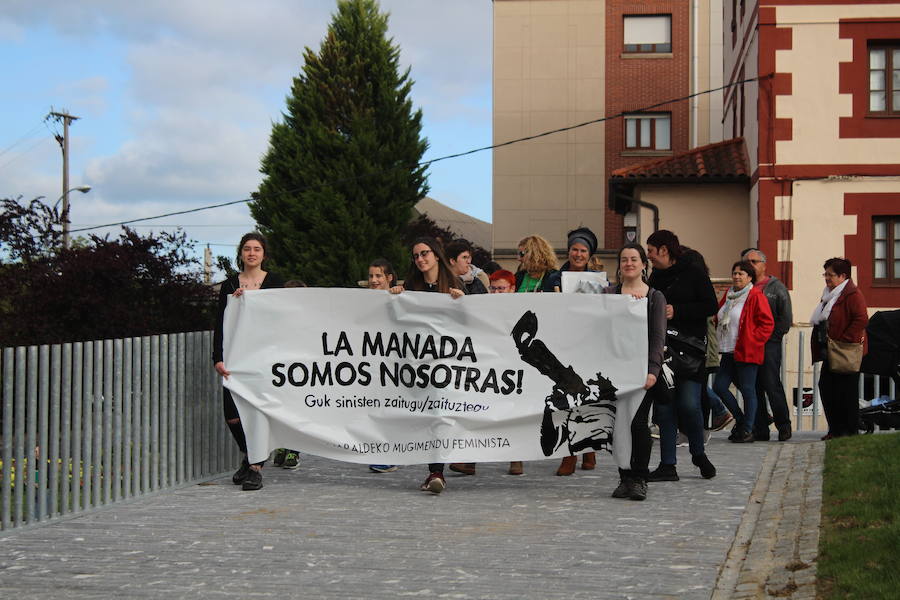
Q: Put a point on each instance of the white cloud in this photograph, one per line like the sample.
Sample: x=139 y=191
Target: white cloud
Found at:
x=206 y=78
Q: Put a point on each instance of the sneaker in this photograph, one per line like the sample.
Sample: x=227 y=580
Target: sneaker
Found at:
x=622 y=491
x=278 y=457
x=464 y=468
x=241 y=474
x=719 y=423
x=707 y=470
x=784 y=433
x=682 y=441
x=637 y=490
x=434 y=484
x=253 y=481
x=291 y=460
x=664 y=473
x=654 y=431
x=383 y=468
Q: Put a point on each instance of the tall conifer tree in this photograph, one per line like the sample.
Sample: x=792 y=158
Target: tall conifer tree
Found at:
x=341 y=172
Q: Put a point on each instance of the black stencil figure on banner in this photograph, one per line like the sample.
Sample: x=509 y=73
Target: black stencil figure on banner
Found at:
x=576 y=413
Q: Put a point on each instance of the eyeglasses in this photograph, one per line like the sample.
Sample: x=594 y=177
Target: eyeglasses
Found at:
x=421 y=254
x=522 y=253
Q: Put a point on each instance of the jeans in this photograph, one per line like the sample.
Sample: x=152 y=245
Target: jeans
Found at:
x=769 y=387
x=744 y=377
x=684 y=409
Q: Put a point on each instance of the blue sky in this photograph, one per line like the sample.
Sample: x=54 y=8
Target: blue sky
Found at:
x=176 y=101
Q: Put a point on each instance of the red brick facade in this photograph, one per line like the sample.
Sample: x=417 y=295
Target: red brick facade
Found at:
x=634 y=82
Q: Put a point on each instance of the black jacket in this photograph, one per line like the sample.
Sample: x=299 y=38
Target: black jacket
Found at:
x=228 y=287
x=690 y=292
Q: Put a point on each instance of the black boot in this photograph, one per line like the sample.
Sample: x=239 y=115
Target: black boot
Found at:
x=707 y=470
x=241 y=474
x=637 y=489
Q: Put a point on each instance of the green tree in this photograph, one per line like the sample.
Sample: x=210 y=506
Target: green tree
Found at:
x=342 y=171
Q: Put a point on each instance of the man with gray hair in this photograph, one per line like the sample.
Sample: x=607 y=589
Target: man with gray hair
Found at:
x=768 y=380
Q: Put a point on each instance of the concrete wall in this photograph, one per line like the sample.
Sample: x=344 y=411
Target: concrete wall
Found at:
x=548 y=73
x=713 y=219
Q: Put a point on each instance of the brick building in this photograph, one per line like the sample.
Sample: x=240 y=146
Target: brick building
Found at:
x=558 y=63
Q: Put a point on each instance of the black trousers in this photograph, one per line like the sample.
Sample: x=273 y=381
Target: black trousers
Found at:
x=641 y=443
x=840 y=400
x=769 y=388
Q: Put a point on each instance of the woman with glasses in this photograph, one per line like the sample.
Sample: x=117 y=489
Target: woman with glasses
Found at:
x=841 y=316
x=430 y=272
x=250 y=259
x=538 y=272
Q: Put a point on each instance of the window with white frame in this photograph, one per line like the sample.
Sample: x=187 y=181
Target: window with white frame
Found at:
x=648 y=131
x=884 y=79
x=648 y=34
x=886 y=251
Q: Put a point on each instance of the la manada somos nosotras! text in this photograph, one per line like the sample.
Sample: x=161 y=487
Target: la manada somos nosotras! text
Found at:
x=395 y=374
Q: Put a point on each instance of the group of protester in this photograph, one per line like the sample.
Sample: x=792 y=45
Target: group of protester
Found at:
x=691 y=334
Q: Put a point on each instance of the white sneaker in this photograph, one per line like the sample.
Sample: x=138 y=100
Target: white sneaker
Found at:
x=654 y=431
x=682 y=441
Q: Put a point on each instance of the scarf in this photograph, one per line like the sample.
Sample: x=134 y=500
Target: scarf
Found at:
x=829 y=297
x=733 y=296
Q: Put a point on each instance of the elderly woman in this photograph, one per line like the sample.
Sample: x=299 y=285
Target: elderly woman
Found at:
x=539 y=272
x=840 y=316
x=743 y=326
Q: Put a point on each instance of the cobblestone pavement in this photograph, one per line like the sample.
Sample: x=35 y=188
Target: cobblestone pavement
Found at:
x=776 y=547
x=336 y=530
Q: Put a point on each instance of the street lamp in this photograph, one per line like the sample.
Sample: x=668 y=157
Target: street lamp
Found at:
x=84 y=189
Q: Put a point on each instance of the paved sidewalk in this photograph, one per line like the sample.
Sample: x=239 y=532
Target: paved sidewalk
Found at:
x=336 y=530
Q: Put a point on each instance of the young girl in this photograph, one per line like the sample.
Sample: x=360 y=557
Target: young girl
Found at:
x=250 y=258
x=381 y=277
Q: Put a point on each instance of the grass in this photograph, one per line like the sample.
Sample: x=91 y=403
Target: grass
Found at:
x=859 y=546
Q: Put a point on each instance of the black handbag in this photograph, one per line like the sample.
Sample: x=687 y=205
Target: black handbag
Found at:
x=685 y=354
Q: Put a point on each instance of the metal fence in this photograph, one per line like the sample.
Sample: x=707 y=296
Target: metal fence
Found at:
x=91 y=423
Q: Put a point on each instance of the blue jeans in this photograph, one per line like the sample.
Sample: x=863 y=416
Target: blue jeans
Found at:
x=744 y=377
x=683 y=409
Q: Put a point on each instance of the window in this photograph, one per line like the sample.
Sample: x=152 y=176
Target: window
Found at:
x=884 y=79
x=886 y=254
x=648 y=131
x=648 y=34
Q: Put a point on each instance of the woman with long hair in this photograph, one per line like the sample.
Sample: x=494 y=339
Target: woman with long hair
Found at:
x=743 y=325
x=251 y=256
x=430 y=272
x=690 y=300
x=539 y=271
x=632 y=280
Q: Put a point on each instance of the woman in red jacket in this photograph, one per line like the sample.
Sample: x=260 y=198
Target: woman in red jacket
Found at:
x=744 y=324
x=841 y=316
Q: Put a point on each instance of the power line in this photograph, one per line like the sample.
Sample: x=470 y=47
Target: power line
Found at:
x=24 y=137
x=457 y=155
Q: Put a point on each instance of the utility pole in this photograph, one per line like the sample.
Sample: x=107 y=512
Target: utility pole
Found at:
x=207 y=265
x=63 y=141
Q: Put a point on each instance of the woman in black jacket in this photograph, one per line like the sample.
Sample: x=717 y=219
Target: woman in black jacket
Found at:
x=250 y=258
x=690 y=300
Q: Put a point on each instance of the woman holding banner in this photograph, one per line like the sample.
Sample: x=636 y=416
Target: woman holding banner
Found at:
x=632 y=278
x=430 y=272
x=251 y=256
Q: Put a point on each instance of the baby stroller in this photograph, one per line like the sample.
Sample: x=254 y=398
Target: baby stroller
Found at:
x=883 y=359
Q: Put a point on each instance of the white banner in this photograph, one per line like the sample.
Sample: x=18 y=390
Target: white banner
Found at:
x=369 y=377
